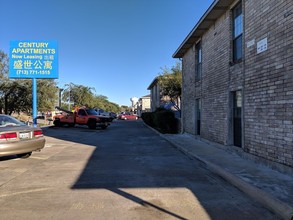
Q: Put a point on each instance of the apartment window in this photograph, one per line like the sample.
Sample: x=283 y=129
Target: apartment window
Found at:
x=237 y=32
x=199 y=61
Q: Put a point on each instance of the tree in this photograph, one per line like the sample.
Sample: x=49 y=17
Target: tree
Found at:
x=125 y=108
x=102 y=102
x=14 y=94
x=79 y=95
x=171 y=83
x=47 y=94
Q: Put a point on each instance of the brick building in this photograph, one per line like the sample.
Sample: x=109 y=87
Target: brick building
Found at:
x=238 y=77
x=156 y=98
x=144 y=104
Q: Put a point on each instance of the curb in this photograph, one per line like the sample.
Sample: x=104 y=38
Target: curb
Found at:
x=275 y=205
x=278 y=207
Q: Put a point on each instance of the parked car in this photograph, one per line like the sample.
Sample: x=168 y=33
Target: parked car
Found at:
x=17 y=138
x=104 y=113
x=113 y=115
x=127 y=116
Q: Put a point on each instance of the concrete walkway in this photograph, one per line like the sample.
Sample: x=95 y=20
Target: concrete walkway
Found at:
x=273 y=189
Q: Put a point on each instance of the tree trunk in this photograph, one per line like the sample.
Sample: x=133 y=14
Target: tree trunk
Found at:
x=6 y=104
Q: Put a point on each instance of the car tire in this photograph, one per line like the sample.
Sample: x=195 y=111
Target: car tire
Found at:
x=92 y=124
x=71 y=125
x=103 y=127
x=58 y=123
x=24 y=155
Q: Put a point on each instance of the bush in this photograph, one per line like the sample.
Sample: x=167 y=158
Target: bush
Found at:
x=147 y=117
x=162 y=120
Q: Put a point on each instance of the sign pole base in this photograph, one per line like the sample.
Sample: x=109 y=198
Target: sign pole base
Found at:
x=35 y=110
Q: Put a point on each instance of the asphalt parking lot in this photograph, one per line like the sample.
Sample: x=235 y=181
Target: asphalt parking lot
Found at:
x=124 y=172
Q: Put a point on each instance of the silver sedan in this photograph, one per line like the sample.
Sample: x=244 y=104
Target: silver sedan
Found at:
x=16 y=138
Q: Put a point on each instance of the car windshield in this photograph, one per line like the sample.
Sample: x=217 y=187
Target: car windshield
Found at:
x=6 y=121
x=91 y=112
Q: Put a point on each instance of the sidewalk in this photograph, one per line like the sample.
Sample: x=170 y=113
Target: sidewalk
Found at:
x=271 y=188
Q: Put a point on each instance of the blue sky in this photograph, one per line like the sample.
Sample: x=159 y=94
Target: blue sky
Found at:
x=115 y=46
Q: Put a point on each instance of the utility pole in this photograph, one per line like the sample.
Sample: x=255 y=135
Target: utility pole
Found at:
x=69 y=97
x=59 y=98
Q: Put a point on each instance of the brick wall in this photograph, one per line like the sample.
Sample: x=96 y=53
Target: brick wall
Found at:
x=212 y=87
x=215 y=80
x=266 y=80
x=188 y=92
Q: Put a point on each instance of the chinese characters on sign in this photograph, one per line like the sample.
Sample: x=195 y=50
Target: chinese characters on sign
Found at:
x=33 y=59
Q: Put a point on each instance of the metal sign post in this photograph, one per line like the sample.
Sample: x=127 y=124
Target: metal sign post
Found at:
x=35 y=104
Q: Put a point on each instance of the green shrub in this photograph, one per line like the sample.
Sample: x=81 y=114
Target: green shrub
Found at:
x=147 y=117
x=163 y=120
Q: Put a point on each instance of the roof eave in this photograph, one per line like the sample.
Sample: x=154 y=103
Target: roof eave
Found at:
x=153 y=83
x=217 y=8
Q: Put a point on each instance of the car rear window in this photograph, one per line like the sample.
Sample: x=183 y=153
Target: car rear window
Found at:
x=6 y=120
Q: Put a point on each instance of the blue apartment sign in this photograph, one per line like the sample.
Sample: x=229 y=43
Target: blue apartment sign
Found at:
x=33 y=59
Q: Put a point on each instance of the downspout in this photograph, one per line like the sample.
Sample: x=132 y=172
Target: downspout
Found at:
x=244 y=73
x=182 y=101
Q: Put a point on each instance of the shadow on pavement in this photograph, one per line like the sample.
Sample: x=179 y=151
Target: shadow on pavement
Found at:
x=131 y=156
